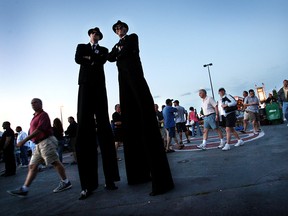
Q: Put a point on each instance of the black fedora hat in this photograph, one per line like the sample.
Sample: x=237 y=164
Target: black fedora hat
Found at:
x=119 y=23
x=98 y=32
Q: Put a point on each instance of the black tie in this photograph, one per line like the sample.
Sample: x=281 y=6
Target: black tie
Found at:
x=94 y=47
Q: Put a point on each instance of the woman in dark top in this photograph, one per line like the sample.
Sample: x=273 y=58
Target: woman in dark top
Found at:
x=58 y=133
x=117 y=127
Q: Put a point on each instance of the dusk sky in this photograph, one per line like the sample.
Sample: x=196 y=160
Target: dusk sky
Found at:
x=246 y=40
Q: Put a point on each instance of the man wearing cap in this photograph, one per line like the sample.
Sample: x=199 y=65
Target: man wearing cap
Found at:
x=92 y=110
x=144 y=152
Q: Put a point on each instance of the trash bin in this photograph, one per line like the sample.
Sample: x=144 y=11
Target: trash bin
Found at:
x=274 y=113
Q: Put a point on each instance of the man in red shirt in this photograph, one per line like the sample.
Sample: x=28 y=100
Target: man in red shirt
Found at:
x=46 y=150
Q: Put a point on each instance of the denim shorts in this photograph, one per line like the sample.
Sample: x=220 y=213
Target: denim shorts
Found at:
x=210 y=122
x=171 y=132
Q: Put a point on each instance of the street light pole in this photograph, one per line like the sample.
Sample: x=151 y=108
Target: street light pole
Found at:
x=207 y=65
x=61 y=114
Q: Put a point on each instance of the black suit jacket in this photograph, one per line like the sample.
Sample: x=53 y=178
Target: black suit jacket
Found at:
x=92 y=101
x=91 y=69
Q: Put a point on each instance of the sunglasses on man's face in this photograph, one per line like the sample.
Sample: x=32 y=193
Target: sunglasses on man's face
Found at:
x=97 y=33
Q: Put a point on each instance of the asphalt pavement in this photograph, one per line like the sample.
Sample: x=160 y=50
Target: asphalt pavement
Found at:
x=246 y=180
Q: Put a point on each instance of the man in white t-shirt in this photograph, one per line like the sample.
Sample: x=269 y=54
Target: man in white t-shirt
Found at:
x=24 y=148
x=210 y=116
x=180 y=120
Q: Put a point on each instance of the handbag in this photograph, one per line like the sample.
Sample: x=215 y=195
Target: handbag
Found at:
x=230 y=109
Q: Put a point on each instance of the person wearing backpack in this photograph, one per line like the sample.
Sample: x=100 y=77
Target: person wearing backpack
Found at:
x=227 y=105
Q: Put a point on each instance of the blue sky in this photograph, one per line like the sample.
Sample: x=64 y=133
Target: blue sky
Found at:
x=246 y=40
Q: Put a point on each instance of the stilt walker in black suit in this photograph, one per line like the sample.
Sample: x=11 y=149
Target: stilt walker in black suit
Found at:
x=144 y=151
x=92 y=111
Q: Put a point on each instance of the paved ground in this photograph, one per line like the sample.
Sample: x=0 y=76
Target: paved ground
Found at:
x=247 y=180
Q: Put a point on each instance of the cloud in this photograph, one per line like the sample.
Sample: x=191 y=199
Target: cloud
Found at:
x=185 y=94
x=156 y=96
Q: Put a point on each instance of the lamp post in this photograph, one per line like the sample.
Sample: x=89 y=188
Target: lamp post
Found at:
x=207 y=65
x=61 y=114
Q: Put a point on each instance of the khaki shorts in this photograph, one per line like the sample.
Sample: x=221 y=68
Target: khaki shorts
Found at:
x=246 y=115
x=252 y=116
x=45 y=151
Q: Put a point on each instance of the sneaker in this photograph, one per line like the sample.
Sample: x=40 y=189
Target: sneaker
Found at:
x=202 y=146
x=18 y=192
x=226 y=147
x=84 y=194
x=62 y=186
x=239 y=143
x=221 y=145
x=188 y=141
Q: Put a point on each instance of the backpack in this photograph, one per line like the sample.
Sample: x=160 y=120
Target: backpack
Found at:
x=232 y=108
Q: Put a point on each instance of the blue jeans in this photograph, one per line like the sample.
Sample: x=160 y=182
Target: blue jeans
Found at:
x=24 y=155
x=285 y=110
x=198 y=127
x=60 y=149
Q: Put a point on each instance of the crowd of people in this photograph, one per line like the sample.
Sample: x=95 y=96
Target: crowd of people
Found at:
x=145 y=146
x=145 y=161
x=215 y=115
x=23 y=153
